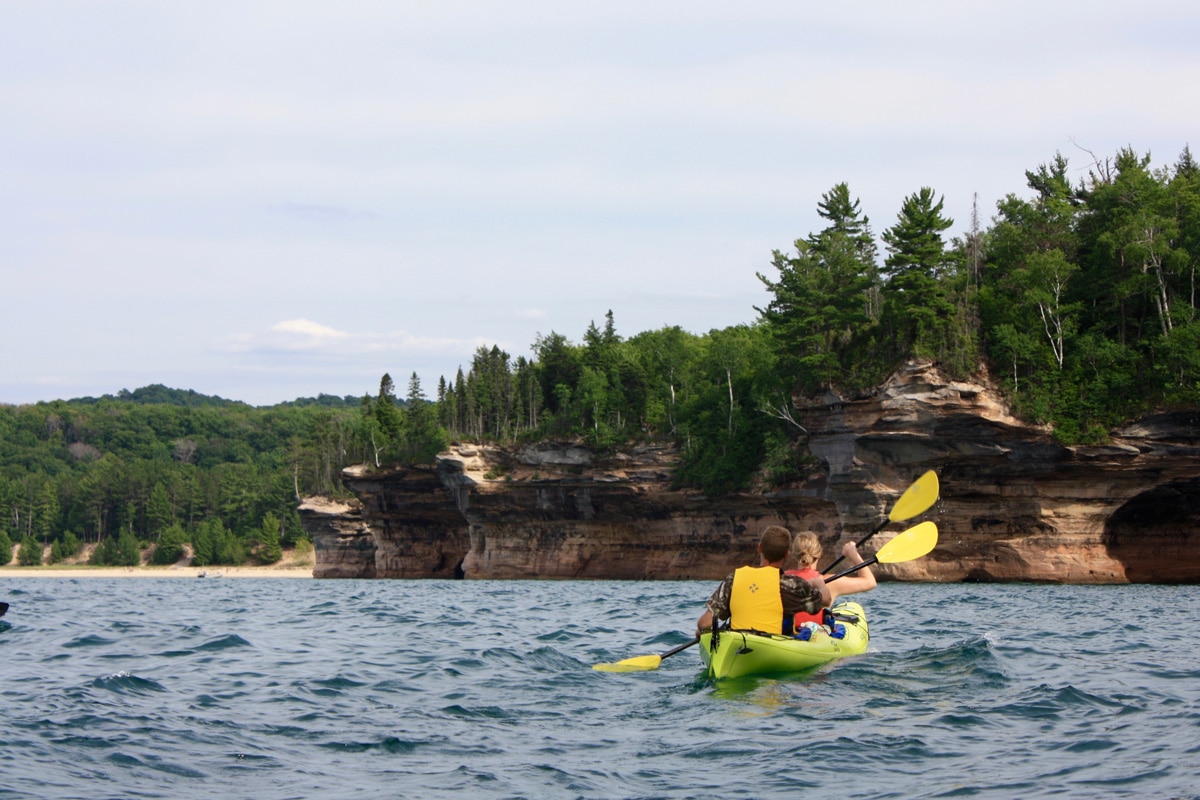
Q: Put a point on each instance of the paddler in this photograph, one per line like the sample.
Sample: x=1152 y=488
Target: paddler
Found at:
x=806 y=548
x=760 y=598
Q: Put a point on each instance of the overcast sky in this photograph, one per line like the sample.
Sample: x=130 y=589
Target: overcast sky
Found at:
x=272 y=200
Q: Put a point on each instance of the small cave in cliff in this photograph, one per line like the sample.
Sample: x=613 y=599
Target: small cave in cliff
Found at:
x=979 y=575
x=458 y=573
x=1155 y=535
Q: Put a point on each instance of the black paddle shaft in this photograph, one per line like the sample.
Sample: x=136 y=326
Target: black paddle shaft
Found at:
x=680 y=648
x=859 y=543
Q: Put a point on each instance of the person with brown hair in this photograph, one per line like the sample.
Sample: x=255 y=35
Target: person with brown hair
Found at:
x=760 y=598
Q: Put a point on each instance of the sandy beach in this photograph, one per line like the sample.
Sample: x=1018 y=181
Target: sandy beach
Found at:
x=155 y=572
x=83 y=571
x=293 y=564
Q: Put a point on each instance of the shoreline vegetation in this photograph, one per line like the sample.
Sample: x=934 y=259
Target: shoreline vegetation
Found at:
x=175 y=571
x=295 y=563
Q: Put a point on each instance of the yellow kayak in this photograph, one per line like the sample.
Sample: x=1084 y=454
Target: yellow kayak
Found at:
x=739 y=653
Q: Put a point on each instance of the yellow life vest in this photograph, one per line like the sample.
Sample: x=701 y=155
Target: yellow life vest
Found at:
x=755 y=602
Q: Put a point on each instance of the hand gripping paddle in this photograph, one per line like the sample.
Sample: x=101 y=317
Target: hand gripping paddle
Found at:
x=915 y=500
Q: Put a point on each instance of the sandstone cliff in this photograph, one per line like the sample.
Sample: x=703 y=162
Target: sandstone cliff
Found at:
x=549 y=511
x=1015 y=506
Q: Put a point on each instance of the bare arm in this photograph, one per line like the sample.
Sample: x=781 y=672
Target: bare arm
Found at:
x=825 y=591
x=855 y=582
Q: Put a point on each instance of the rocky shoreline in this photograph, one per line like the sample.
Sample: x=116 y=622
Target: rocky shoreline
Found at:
x=1015 y=505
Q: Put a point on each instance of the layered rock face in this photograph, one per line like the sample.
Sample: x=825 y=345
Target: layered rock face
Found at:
x=1015 y=506
x=344 y=543
x=549 y=511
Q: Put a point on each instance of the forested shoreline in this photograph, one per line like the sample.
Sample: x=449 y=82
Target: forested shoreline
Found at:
x=1080 y=298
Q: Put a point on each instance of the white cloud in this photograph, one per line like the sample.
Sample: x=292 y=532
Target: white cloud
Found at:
x=306 y=336
x=305 y=327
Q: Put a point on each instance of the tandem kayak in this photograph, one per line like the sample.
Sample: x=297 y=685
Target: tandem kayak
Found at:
x=741 y=653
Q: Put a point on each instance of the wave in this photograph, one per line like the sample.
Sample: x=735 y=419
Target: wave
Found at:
x=126 y=683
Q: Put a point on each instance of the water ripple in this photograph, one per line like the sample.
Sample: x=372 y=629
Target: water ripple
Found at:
x=126 y=683
x=304 y=689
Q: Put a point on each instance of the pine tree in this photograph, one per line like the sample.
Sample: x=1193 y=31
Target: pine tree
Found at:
x=128 y=554
x=159 y=513
x=918 y=309
x=105 y=553
x=67 y=546
x=424 y=438
x=31 y=551
x=169 y=548
x=826 y=295
x=204 y=544
x=388 y=417
x=269 y=549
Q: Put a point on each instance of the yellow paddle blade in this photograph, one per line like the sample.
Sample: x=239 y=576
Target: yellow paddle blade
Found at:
x=635 y=664
x=913 y=543
x=917 y=498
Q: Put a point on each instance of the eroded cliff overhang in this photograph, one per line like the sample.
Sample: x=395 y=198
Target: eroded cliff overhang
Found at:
x=1015 y=504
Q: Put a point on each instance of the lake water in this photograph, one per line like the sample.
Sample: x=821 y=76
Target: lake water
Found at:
x=176 y=688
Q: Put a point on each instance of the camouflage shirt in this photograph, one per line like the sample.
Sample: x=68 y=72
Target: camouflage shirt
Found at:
x=797 y=593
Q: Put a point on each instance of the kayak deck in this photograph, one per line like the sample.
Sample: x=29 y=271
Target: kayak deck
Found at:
x=741 y=653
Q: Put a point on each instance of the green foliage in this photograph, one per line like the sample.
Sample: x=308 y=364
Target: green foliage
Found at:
x=715 y=460
x=917 y=307
x=31 y=552
x=1177 y=364
x=129 y=553
x=826 y=297
x=423 y=437
x=782 y=463
x=204 y=544
x=120 y=551
x=269 y=549
x=67 y=546
x=169 y=548
x=324 y=401
x=159 y=511
x=145 y=460
x=291 y=531
x=213 y=543
x=6 y=549
x=304 y=551
x=157 y=394
x=105 y=554
x=1089 y=294
x=724 y=425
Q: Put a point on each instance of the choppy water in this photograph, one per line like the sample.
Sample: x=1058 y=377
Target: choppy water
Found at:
x=261 y=689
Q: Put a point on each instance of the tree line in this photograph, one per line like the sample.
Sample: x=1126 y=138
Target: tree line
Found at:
x=164 y=468
x=1080 y=297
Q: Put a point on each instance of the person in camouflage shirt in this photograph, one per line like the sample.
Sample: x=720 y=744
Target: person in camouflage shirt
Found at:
x=796 y=594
